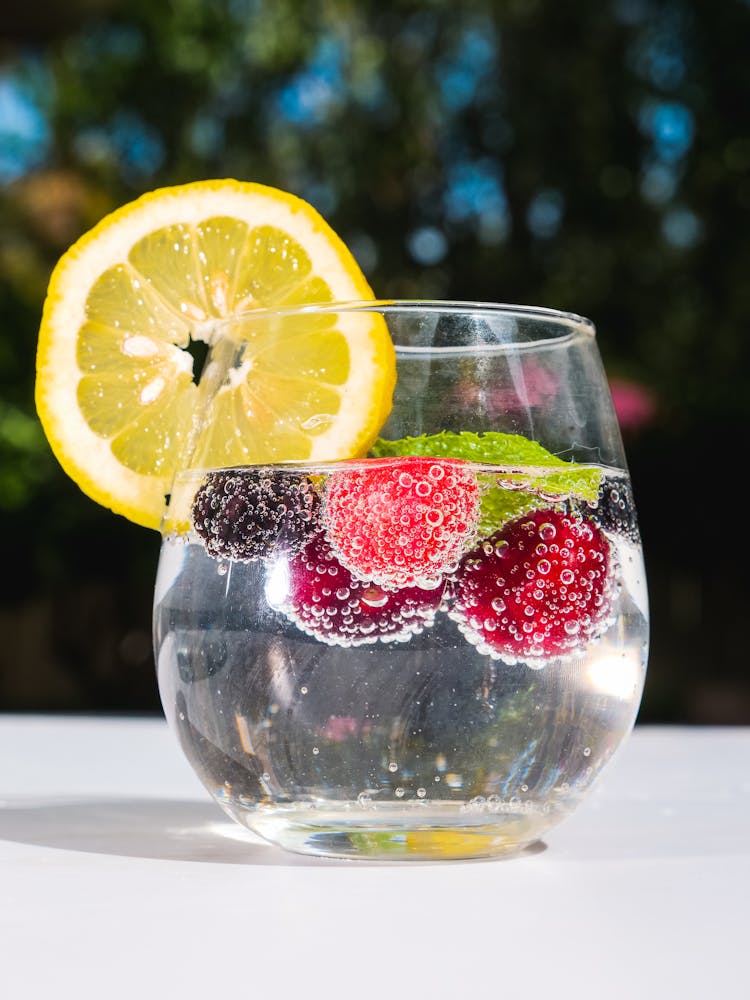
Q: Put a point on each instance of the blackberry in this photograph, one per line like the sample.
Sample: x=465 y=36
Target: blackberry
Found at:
x=616 y=509
x=247 y=514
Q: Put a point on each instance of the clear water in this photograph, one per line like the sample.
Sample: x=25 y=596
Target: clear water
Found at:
x=426 y=745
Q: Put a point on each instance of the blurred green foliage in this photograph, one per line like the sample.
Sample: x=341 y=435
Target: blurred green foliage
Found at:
x=593 y=157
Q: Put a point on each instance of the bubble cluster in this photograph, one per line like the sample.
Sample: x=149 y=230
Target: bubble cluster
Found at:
x=403 y=522
x=539 y=587
x=246 y=514
x=326 y=601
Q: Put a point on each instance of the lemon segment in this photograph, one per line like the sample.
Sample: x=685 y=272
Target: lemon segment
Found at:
x=116 y=391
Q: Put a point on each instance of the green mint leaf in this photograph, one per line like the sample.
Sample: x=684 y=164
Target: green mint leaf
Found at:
x=533 y=478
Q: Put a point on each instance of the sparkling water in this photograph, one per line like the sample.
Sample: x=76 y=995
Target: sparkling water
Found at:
x=376 y=719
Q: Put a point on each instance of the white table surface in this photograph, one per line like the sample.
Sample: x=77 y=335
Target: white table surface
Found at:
x=120 y=878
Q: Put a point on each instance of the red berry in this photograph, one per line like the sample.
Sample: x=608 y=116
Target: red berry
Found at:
x=539 y=587
x=402 y=522
x=326 y=601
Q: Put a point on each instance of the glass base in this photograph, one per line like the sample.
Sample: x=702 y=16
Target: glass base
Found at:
x=392 y=832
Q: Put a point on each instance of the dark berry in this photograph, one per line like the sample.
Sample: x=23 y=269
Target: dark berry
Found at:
x=538 y=587
x=326 y=601
x=404 y=521
x=616 y=509
x=245 y=514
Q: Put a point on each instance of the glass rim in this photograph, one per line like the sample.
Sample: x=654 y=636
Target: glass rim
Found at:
x=385 y=307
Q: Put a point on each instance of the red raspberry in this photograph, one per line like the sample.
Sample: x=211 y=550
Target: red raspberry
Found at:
x=539 y=587
x=327 y=602
x=402 y=522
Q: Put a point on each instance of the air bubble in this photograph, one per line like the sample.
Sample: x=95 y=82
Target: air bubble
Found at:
x=316 y=751
x=399 y=793
x=393 y=766
x=374 y=597
x=421 y=792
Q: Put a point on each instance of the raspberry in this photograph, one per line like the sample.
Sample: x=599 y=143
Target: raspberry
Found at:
x=538 y=587
x=402 y=522
x=247 y=514
x=327 y=602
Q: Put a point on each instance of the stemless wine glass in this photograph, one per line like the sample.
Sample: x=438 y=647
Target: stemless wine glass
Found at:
x=429 y=651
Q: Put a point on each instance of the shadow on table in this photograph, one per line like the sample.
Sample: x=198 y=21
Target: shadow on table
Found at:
x=140 y=828
x=146 y=828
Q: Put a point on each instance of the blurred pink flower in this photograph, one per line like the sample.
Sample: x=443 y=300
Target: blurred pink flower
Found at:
x=339 y=728
x=635 y=405
x=539 y=384
x=535 y=388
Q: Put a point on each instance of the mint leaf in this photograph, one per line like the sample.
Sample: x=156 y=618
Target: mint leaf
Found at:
x=526 y=461
x=498 y=505
x=532 y=476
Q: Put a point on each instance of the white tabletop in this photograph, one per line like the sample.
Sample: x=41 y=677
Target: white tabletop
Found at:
x=120 y=878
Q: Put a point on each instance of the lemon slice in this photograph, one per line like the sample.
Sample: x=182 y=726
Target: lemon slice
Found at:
x=115 y=389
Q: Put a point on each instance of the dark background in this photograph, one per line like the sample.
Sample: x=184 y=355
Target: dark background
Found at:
x=593 y=157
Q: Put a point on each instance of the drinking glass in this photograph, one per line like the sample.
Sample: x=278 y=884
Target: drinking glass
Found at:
x=431 y=650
